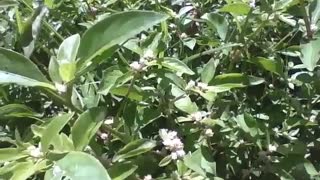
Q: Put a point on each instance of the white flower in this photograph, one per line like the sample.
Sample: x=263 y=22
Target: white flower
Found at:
x=137 y=66
x=191 y=84
x=108 y=121
x=252 y=3
x=172 y=142
x=314 y=27
x=147 y=177
x=183 y=36
x=272 y=148
x=35 y=151
x=208 y=132
x=202 y=86
x=104 y=136
x=198 y=116
x=57 y=171
x=148 y=54
x=62 y=88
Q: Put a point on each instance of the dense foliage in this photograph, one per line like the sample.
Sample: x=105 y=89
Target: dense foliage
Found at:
x=159 y=89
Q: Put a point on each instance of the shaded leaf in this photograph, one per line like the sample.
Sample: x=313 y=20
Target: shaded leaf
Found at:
x=86 y=127
x=135 y=148
x=209 y=70
x=234 y=80
x=310 y=53
x=121 y=171
x=53 y=128
x=273 y=66
x=176 y=65
x=218 y=22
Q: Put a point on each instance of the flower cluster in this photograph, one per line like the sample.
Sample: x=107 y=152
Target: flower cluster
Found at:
x=172 y=142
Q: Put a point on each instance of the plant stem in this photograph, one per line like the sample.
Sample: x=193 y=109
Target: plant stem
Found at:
x=208 y=52
x=306 y=20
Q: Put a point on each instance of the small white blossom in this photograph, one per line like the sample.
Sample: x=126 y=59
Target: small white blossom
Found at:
x=314 y=27
x=147 y=177
x=208 y=132
x=148 y=54
x=104 y=136
x=202 y=86
x=108 y=121
x=198 y=116
x=272 y=148
x=57 y=171
x=191 y=84
x=35 y=151
x=137 y=66
x=172 y=142
x=62 y=88
x=252 y=3
x=183 y=36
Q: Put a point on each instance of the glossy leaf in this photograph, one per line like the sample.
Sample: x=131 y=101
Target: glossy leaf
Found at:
x=274 y=66
x=236 y=8
x=121 y=171
x=77 y=166
x=218 y=22
x=16 y=110
x=113 y=30
x=234 y=80
x=11 y=154
x=310 y=53
x=110 y=78
x=86 y=127
x=53 y=128
x=176 y=65
x=209 y=70
x=135 y=148
x=17 y=69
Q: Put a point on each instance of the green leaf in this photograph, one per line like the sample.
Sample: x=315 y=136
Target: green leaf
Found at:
x=67 y=56
x=310 y=53
x=7 y=3
x=78 y=166
x=110 y=77
x=248 y=124
x=184 y=102
x=218 y=22
x=17 y=69
x=16 y=110
x=10 y=154
x=134 y=148
x=209 y=70
x=193 y=161
x=67 y=71
x=176 y=65
x=135 y=93
x=274 y=66
x=86 y=127
x=24 y=170
x=236 y=8
x=53 y=128
x=234 y=80
x=314 y=9
x=68 y=49
x=121 y=171
x=53 y=70
x=165 y=161
x=113 y=30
